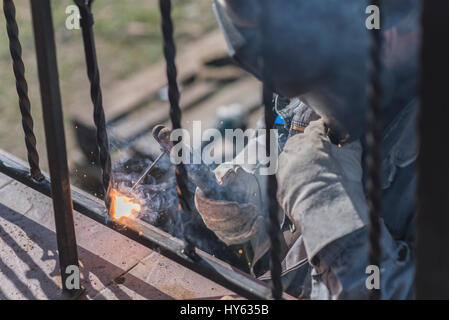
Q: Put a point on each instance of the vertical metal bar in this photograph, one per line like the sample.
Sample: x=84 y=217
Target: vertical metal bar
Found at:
x=373 y=162
x=55 y=138
x=274 y=230
x=22 y=88
x=93 y=73
x=175 y=116
x=432 y=223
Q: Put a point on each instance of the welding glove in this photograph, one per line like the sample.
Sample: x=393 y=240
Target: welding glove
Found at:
x=233 y=223
x=237 y=223
x=320 y=187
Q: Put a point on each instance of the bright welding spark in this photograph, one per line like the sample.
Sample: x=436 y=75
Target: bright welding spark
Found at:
x=123 y=206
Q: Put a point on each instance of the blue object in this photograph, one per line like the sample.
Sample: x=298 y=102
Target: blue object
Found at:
x=279 y=120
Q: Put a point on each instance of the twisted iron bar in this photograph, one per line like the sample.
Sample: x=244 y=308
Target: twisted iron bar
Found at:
x=22 y=88
x=175 y=116
x=374 y=144
x=87 y=22
x=274 y=230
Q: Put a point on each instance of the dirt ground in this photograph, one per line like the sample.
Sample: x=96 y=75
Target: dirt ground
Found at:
x=128 y=38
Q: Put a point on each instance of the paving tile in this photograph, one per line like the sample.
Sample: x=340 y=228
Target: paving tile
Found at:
x=157 y=277
x=28 y=250
x=4 y=180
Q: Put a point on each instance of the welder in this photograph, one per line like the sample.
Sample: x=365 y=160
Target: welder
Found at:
x=320 y=75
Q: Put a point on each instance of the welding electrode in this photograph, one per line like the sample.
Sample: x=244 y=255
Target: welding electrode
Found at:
x=200 y=174
x=148 y=170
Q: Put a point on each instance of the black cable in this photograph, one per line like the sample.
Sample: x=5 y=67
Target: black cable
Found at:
x=373 y=161
x=274 y=229
x=22 y=88
x=93 y=73
x=175 y=116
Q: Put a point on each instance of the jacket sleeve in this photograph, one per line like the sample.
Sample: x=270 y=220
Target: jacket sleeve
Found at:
x=321 y=190
x=341 y=268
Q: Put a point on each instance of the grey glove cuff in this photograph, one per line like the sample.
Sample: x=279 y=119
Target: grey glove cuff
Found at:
x=320 y=187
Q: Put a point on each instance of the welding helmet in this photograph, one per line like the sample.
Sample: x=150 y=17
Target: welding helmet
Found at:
x=319 y=49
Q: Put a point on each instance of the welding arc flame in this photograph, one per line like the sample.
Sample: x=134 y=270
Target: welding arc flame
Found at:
x=123 y=206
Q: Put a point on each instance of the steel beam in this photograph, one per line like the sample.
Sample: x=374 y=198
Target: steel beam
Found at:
x=55 y=138
x=147 y=235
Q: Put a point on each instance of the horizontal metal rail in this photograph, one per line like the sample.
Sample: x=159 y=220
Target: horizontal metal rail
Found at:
x=147 y=235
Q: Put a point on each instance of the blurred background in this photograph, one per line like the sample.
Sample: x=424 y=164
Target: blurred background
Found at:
x=133 y=79
x=129 y=48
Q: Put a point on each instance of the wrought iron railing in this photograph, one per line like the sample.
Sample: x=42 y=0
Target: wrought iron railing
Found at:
x=432 y=209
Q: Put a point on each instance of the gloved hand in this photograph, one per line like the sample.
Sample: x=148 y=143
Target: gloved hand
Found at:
x=320 y=187
x=233 y=223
